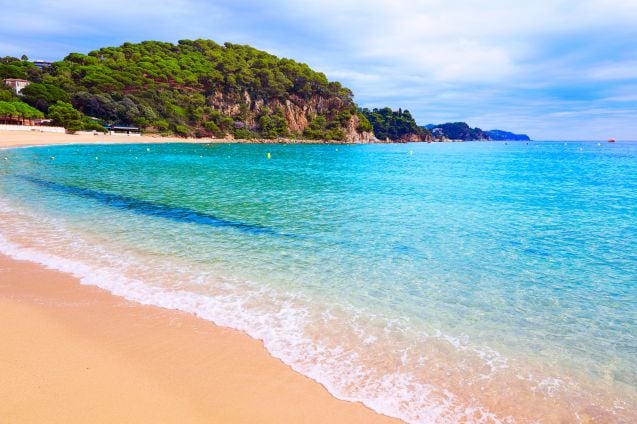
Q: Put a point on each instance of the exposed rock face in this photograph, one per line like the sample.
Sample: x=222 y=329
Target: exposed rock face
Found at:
x=353 y=135
x=298 y=112
x=295 y=116
x=411 y=137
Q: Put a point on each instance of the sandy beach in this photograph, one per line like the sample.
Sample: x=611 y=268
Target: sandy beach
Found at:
x=36 y=138
x=76 y=353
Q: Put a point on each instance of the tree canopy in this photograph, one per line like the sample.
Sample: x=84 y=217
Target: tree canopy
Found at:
x=19 y=110
x=12 y=67
x=65 y=115
x=41 y=96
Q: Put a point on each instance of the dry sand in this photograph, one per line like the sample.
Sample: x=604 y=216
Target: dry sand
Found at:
x=36 y=138
x=71 y=353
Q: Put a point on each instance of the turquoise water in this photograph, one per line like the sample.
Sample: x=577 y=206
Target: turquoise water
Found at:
x=476 y=282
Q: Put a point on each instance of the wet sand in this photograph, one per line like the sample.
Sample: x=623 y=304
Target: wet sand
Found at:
x=76 y=353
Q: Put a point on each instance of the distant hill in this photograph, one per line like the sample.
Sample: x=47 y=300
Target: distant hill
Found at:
x=499 y=135
x=462 y=131
x=456 y=131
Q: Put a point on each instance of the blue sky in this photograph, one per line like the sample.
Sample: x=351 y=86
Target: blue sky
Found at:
x=555 y=69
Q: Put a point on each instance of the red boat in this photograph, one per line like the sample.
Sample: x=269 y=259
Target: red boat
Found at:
x=611 y=140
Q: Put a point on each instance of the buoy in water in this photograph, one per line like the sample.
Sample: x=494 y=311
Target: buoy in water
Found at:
x=269 y=155
x=52 y=157
x=411 y=152
x=148 y=149
x=96 y=158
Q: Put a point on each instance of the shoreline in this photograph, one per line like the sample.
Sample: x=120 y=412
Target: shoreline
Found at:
x=73 y=352
x=30 y=138
x=12 y=139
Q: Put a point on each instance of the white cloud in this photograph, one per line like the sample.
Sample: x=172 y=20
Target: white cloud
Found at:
x=460 y=32
x=108 y=19
x=620 y=70
x=444 y=59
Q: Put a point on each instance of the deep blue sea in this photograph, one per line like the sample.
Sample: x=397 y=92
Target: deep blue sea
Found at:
x=443 y=282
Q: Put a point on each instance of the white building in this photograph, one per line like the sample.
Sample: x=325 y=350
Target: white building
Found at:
x=16 y=84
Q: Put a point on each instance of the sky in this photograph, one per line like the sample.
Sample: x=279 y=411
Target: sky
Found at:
x=553 y=69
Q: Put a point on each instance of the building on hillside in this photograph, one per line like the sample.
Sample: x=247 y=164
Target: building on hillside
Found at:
x=16 y=84
x=42 y=63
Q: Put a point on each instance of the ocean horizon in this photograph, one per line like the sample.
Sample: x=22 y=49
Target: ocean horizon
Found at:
x=442 y=282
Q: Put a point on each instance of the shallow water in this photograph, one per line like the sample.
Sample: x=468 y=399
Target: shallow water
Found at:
x=472 y=282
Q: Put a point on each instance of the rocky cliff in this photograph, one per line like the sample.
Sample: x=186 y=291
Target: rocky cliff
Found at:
x=297 y=112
